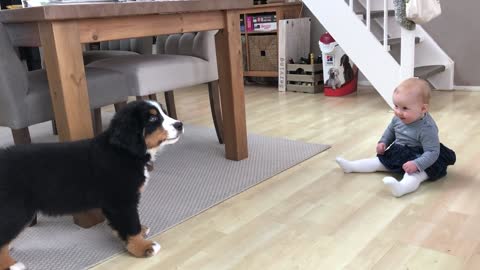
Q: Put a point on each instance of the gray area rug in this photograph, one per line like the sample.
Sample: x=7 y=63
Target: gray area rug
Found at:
x=189 y=177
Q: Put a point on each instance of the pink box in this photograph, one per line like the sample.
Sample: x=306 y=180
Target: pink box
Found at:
x=270 y=26
x=249 y=23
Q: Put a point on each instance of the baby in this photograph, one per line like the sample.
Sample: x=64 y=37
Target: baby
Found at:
x=409 y=145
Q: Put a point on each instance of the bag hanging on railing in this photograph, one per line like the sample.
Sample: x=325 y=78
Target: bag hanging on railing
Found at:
x=422 y=11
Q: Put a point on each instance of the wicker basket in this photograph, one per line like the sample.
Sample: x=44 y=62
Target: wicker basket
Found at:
x=263 y=52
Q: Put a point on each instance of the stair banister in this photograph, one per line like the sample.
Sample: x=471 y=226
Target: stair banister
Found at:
x=385 y=25
x=427 y=60
x=369 y=11
x=407 y=51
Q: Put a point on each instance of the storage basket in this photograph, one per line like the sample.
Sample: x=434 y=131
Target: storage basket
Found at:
x=263 y=52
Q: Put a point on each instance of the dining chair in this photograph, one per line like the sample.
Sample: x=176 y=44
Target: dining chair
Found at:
x=181 y=60
x=25 y=95
x=113 y=48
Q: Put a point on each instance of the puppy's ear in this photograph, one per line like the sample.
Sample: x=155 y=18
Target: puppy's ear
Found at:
x=126 y=128
x=343 y=59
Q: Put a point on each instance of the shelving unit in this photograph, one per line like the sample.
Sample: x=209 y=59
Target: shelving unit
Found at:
x=282 y=11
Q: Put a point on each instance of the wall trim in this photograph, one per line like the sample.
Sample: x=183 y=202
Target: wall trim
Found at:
x=472 y=88
x=364 y=83
x=467 y=87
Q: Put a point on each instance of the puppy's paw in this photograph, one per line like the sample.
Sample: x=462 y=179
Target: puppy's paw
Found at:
x=153 y=250
x=142 y=248
x=17 y=266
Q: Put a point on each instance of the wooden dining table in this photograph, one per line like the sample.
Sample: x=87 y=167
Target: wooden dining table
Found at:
x=62 y=29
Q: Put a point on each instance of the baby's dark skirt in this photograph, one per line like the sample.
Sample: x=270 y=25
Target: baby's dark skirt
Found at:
x=396 y=155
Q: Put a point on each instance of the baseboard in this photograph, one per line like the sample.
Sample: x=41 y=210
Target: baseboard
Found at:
x=455 y=87
x=467 y=87
x=364 y=83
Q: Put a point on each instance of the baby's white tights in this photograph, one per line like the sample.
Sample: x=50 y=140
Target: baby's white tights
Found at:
x=361 y=165
x=409 y=182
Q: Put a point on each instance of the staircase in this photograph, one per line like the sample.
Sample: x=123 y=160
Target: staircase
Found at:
x=384 y=52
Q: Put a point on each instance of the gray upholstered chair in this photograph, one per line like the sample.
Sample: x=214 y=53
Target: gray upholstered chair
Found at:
x=113 y=48
x=25 y=96
x=181 y=60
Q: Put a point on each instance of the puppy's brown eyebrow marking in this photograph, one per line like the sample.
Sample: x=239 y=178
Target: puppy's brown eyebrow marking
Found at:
x=153 y=111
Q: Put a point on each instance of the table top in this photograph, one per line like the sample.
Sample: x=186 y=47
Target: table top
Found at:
x=115 y=9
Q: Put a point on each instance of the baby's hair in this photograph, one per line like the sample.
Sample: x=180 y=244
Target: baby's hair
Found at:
x=420 y=86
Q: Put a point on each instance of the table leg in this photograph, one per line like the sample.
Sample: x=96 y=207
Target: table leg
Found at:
x=68 y=89
x=230 y=72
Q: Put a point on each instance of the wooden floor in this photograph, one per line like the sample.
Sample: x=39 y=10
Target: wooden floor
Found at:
x=315 y=217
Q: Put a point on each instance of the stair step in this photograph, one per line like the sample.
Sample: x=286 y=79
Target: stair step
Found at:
x=397 y=41
x=375 y=14
x=426 y=71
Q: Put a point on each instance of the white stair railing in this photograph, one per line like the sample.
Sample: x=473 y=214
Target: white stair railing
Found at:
x=385 y=25
x=407 y=54
x=407 y=39
x=368 y=54
x=412 y=55
x=372 y=57
x=368 y=17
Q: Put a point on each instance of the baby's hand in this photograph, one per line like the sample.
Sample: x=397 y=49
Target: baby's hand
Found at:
x=381 y=148
x=410 y=167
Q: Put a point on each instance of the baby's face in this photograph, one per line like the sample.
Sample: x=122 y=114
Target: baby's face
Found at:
x=409 y=106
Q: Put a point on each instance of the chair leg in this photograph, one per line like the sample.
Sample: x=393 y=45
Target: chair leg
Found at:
x=119 y=105
x=21 y=136
x=153 y=97
x=170 y=102
x=54 y=127
x=215 y=107
x=97 y=121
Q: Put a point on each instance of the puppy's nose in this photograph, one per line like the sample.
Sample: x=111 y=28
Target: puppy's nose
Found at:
x=178 y=126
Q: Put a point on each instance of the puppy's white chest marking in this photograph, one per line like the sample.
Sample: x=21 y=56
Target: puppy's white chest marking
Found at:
x=153 y=153
x=147 y=176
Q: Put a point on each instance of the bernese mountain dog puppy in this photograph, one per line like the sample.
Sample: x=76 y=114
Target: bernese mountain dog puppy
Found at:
x=106 y=172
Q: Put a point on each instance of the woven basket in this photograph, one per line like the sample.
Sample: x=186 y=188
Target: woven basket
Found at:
x=263 y=52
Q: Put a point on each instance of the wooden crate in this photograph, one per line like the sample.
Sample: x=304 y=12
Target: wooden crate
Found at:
x=306 y=78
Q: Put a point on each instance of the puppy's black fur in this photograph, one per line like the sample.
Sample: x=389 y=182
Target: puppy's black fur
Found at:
x=347 y=68
x=105 y=172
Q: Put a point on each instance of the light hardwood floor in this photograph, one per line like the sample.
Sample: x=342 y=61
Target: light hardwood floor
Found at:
x=314 y=216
